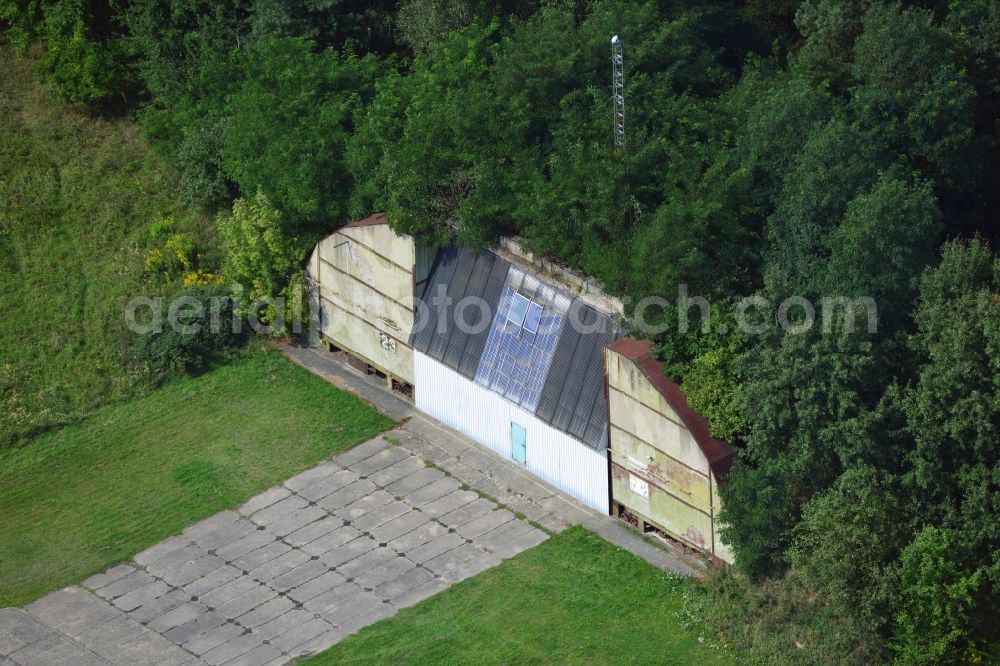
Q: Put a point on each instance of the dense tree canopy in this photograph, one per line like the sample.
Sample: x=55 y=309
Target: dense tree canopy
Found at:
x=288 y=123
x=806 y=149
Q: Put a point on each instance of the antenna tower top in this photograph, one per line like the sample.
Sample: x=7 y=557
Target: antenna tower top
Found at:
x=618 y=92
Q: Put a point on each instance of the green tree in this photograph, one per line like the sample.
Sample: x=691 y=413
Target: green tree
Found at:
x=774 y=18
x=814 y=399
x=938 y=596
x=260 y=255
x=85 y=54
x=829 y=28
x=809 y=399
x=847 y=541
x=199 y=159
x=951 y=571
x=837 y=161
x=187 y=57
x=22 y=20
x=288 y=124
x=775 y=120
x=328 y=23
x=886 y=239
x=423 y=22
x=501 y=131
x=714 y=391
x=315 y=20
x=420 y=23
x=757 y=516
x=912 y=92
x=953 y=409
x=590 y=206
x=434 y=145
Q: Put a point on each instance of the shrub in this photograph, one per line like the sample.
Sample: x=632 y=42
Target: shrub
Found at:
x=85 y=54
x=84 y=69
x=206 y=324
x=199 y=159
x=713 y=390
x=174 y=257
x=259 y=256
x=21 y=20
x=833 y=551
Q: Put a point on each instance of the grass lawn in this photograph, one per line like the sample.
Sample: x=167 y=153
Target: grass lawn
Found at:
x=76 y=501
x=77 y=197
x=575 y=599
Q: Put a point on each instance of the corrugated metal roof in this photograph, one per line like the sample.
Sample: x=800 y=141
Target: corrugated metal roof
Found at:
x=572 y=397
x=457 y=273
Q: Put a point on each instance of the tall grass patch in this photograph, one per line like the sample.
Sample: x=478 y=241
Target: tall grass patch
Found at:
x=77 y=197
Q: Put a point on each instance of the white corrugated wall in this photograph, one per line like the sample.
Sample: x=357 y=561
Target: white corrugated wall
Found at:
x=485 y=416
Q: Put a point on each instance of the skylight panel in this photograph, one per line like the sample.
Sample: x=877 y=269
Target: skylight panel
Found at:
x=533 y=317
x=519 y=349
x=518 y=308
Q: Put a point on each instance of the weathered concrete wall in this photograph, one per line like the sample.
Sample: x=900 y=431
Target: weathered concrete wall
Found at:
x=722 y=549
x=363 y=278
x=658 y=471
x=668 y=472
x=654 y=427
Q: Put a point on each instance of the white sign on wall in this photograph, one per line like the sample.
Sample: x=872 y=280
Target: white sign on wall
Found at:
x=638 y=486
x=387 y=343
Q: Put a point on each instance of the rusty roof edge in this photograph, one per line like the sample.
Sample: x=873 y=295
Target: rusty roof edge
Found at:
x=718 y=452
x=371 y=220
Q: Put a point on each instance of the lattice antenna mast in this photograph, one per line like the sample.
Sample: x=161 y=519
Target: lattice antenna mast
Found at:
x=618 y=91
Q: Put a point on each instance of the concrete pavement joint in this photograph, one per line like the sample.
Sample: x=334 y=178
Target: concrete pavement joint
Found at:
x=299 y=566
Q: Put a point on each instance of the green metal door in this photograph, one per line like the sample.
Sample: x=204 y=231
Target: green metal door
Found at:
x=518 y=443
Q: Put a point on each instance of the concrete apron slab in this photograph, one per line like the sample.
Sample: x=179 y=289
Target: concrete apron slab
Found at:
x=300 y=566
x=481 y=470
x=292 y=571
